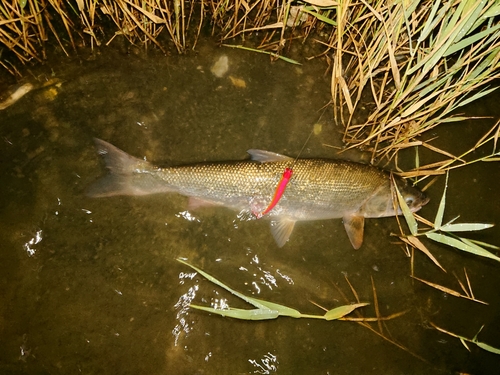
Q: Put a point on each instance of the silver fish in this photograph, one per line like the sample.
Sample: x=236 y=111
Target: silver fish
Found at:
x=319 y=188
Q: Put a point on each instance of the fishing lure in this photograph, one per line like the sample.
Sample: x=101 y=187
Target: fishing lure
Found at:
x=285 y=178
x=280 y=189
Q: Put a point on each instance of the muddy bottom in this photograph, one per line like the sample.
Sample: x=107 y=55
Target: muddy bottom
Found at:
x=93 y=286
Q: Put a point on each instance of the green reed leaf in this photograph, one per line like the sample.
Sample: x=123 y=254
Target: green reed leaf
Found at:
x=439 y=215
x=309 y=10
x=288 y=60
x=458 y=244
x=470 y=40
x=410 y=220
x=464 y=343
x=242 y=314
x=487 y=347
x=465 y=227
x=476 y=96
x=479 y=243
x=281 y=309
x=212 y=279
x=341 y=311
x=431 y=22
x=493 y=11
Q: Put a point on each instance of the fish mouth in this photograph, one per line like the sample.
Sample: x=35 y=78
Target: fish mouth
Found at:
x=422 y=201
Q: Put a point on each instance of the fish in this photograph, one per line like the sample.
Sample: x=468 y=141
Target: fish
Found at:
x=319 y=189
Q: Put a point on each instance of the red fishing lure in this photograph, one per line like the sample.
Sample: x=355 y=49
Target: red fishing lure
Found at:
x=280 y=189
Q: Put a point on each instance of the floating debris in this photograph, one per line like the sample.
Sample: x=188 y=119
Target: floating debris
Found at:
x=220 y=67
x=17 y=94
x=238 y=82
x=296 y=16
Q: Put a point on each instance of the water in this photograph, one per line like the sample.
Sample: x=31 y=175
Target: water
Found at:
x=92 y=285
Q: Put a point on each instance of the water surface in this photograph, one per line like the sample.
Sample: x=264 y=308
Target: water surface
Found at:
x=92 y=285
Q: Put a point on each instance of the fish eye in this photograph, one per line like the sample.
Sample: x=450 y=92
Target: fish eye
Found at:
x=409 y=201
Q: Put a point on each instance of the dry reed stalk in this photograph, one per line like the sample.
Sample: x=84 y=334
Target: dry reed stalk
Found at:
x=17 y=32
x=42 y=35
x=59 y=8
x=52 y=28
x=86 y=11
x=420 y=62
x=23 y=24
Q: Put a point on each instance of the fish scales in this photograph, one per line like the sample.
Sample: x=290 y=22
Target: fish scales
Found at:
x=316 y=183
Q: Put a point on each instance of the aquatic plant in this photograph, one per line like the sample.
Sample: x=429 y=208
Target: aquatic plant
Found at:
x=443 y=233
x=474 y=340
x=265 y=310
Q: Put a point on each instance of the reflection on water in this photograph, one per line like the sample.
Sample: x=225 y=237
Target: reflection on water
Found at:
x=268 y=364
x=182 y=308
x=30 y=247
x=92 y=285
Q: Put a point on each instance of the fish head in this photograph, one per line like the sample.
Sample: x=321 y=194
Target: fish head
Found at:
x=383 y=202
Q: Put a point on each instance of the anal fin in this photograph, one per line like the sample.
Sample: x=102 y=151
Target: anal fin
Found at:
x=194 y=203
x=281 y=230
x=354 y=226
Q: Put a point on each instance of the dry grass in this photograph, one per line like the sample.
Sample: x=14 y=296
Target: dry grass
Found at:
x=417 y=62
x=414 y=62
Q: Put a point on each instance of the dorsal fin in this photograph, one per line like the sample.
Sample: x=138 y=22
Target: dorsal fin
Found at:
x=267 y=156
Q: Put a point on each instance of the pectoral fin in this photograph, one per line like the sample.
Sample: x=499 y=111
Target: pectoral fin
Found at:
x=354 y=226
x=281 y=230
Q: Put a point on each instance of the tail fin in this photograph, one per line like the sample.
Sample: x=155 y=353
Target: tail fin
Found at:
x=127 y=175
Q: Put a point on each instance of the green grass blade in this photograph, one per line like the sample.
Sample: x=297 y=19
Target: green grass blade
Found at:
x=282 y=310
x=265 y=309
x=430 y=86
x=484 y=346
x=478 y=95
x=480 y=243
x=465 y=227
x=429 y=26
x=464 y=340
x=486 y=66
x=493 y=11
x=410 y=220
x=470 y=40
x=439 y=215
x=451 y=34
x=487 y=347
x=212 y=279
x=471 y=20
x=265 y=52
x=255 y=314
x=458 y=244
x=464 y=343
x=320 y=17
x=341 y=311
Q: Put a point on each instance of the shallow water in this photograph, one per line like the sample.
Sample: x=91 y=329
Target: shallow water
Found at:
x=92 y=285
